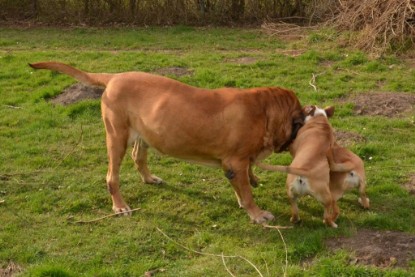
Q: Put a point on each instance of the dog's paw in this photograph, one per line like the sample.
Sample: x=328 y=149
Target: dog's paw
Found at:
x=153 y=179
x=126 y=211
x=295 y=219
x=364 y=202
x=262 y=217
x=330 y=224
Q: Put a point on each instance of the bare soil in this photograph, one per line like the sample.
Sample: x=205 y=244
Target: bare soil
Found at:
x=9 y=270
x=291 y=52
x=243 y=60
x=76 y=93
x=175 y=71
x=383 y=104
x=346 y=139
x=410 y=185
x=377 y=248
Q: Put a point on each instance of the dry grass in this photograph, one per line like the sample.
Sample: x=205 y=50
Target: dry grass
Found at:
x=381 y=24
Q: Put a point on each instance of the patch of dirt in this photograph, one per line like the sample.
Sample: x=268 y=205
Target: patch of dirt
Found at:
x=175 y=71
x=327 y=64
x=410 y=186
x=292 y=52
x=411 y=62
x=76 y=93
x=378 y=248
x=243 y=60
x=346 y=139
x=385 y=104
x=11 y=269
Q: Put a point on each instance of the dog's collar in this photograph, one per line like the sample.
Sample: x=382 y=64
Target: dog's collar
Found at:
x=295 y=128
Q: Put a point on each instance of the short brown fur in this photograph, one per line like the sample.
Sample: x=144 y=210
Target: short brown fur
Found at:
x=229 y=128
x=321 y=168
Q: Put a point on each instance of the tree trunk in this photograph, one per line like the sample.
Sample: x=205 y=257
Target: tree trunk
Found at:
x=237 y=9
x=86 y=9
x=35 y=8
x=133 y=8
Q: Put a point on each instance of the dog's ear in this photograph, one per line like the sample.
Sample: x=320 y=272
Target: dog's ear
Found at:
x=309 y=110
x=329 y=111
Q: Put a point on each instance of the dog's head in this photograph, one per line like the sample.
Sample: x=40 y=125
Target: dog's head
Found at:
x=313 y=111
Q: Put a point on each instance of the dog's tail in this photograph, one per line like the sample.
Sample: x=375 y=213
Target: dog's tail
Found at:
x=338 y=167
x=285 y=169
x=94 y=79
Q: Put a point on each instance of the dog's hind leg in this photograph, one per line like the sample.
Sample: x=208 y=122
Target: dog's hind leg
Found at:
x=116 y=128
x=139 y=155
x=363 y=199
x=253 y=180
x=116 y=147
x=237 y=173
x=336 y=211
x=295 y=218
x=329 y=209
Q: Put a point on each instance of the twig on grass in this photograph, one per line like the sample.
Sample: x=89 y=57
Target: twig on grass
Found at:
x=283 y=241
x=312 y=81
x=13 y=107
x=278 y=227
x=153 y=272
x=81 y=138
x=224 y=264
x=210 y=254
x=106 y=216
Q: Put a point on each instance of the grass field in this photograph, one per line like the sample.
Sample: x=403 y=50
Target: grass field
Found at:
x=53 y=159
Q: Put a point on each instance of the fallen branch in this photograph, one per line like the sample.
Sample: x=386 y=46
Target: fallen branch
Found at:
x=106 y=216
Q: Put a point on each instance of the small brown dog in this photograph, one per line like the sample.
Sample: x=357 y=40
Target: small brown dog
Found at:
x=344 y=180
x=228 y=128
x=316 y=157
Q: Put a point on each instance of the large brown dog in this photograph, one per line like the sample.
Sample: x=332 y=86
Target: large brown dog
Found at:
x=229 y=128
x=321 y=167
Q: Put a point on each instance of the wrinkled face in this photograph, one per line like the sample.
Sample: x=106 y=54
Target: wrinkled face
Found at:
x=313 y=111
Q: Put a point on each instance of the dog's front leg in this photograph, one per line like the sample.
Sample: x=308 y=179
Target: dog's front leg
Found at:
x=237 y=173
x=329 y=210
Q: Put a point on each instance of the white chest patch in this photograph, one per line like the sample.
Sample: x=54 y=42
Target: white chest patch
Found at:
x=300 y=186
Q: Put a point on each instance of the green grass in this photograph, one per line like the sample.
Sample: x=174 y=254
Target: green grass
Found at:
x=53 y=159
